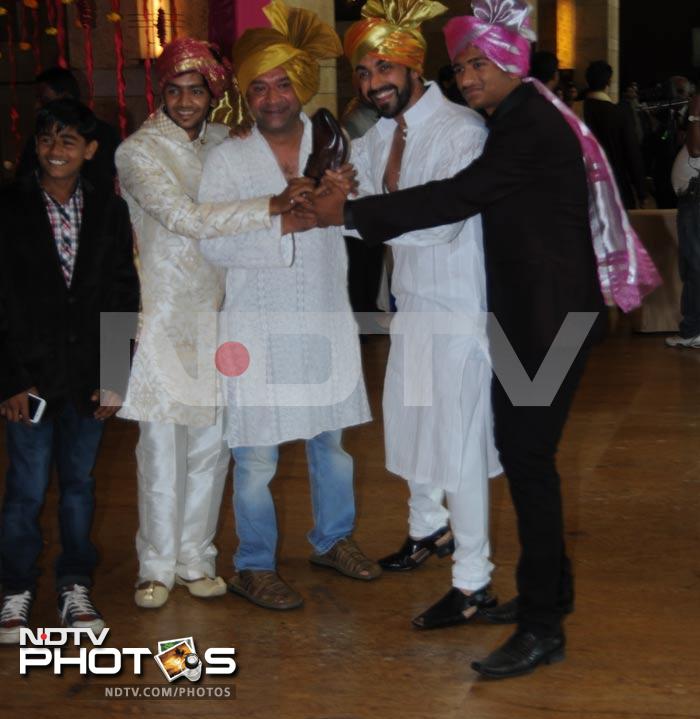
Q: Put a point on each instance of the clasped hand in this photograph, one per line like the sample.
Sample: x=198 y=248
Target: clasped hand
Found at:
x=297 y=204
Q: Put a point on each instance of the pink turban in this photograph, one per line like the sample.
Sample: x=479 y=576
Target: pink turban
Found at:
x=185 y=54
x=500 y=29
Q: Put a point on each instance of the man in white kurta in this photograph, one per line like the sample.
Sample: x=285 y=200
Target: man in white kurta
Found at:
x=304 y=378
x=437 y=410
x=181 y=457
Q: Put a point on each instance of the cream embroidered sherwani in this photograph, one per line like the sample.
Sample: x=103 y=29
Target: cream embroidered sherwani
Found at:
x=182 y=460
x=437 y=408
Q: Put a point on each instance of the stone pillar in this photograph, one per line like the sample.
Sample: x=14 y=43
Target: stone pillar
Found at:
x=597 y=37
x=547 y=26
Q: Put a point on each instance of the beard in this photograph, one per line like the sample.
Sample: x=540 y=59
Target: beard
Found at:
x=396 y=105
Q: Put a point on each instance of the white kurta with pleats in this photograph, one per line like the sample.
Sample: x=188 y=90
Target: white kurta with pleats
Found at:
x=437 y=403
x=305 y=373
x=439 y=274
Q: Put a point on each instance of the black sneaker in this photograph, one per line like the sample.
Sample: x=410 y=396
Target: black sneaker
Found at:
x=76 y=610
x=14 y=615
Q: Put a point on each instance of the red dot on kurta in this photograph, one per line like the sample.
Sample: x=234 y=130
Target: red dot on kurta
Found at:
x=232 y=359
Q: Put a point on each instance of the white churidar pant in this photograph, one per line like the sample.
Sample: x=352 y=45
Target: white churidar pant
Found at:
x=467 y=512
x=181 y=476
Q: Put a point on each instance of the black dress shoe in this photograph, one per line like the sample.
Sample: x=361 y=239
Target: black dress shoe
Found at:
x=521 y=654
x=415 y=551
x=507 y=613
x=450 y=609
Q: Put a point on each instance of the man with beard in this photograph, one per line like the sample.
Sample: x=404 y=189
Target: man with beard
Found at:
x=531 y=185
x=443 y=447
x=305 y=377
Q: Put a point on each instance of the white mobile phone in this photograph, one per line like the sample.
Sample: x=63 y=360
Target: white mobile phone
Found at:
x=37 y=405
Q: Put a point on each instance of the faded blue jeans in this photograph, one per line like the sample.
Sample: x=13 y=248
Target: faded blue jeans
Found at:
x=332 y=499
x=71 y=441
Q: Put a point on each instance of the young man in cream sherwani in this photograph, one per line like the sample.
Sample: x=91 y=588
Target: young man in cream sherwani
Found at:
x=304 y=380
x=441 y=444
x=181 y=458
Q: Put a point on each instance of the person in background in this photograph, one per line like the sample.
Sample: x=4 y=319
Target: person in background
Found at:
x=686 y=183
x=544 y=67
x=668 y=137
x=615 y=132
x=448 y=85
x=56 y=83
x=364 y=263
x=629 y=102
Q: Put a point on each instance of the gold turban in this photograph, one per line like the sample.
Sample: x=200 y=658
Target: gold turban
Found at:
x=391 y=30
x=297 y=40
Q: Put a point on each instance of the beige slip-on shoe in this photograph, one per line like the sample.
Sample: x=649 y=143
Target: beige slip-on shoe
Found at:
x=204 y=587
x=151 y=595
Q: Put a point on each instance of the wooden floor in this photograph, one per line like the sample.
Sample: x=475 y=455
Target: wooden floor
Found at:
x=631 y=466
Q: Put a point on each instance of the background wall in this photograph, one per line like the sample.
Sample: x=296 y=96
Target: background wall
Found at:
x=656 y=39
x=642 y=39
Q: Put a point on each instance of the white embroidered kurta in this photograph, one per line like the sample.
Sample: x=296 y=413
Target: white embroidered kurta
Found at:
x=305 y=374
x=437 y=411
x=173 y=378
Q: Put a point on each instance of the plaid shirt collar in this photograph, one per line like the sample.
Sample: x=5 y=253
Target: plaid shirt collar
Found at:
x=65 y=220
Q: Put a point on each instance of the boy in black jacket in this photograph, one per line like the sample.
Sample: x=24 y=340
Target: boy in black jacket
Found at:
x=66 y=256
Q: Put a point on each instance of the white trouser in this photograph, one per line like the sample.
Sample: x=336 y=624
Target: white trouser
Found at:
x=181 y=476
x=468 y=515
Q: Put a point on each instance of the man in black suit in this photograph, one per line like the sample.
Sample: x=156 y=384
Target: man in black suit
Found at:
x=530 y=187
x=66 y=256
x=615 y=131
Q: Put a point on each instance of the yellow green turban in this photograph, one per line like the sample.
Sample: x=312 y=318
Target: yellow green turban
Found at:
x=390 y=29
x=297 y=40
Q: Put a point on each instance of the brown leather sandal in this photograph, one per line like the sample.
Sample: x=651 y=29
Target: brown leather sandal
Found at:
x=348 y=559
x=264 y=588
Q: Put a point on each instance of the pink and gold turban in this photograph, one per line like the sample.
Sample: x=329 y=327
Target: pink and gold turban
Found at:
x=297 y=40
x=500 y=29
x=390 y=30
x=185 y=54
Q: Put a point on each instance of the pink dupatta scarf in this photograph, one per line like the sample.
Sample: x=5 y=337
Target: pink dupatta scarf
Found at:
x=625 y=270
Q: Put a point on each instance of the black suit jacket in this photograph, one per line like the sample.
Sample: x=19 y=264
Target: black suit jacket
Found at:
x=530 y=187
x=49 y=333
x=615 y=131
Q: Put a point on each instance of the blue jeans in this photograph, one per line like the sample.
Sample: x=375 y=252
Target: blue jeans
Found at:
x=72 y=441
x=689 y=259
x=332 y=499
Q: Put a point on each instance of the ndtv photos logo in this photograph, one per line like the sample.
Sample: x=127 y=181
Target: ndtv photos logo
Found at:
x=53 y=648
